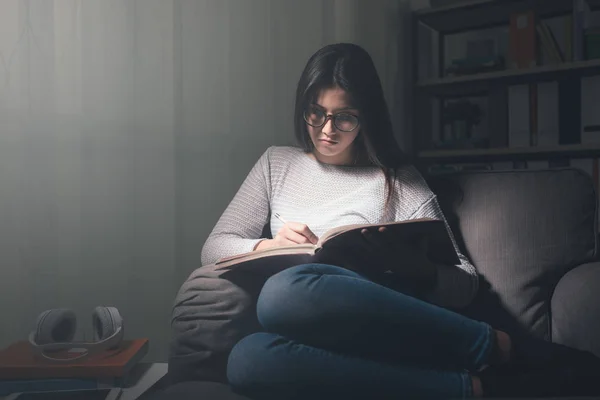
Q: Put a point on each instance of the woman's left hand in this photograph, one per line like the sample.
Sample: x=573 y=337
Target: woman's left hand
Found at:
x=379 y=253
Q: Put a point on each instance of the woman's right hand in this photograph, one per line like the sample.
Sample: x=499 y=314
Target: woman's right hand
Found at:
x=290 y=233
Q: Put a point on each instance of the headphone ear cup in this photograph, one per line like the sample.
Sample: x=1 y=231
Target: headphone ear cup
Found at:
x=55 y=326
x=106 y=321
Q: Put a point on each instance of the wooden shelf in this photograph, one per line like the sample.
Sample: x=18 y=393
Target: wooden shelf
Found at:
x=469 y=15
x=479 y=82
x=480 y=14
x=514 y=153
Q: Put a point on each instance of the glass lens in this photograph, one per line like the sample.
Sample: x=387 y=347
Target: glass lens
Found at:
x=346 y=122
x=314 y=116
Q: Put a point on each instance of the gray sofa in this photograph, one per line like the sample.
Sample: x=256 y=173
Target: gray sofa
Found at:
x=531 y=234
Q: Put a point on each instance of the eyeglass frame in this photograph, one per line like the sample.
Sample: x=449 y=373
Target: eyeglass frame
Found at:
x=332 y=117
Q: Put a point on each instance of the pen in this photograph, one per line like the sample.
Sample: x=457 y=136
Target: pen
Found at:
x=279 y=218
x=283 y=220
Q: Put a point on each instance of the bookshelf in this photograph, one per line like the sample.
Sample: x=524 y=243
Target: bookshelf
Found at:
x=492 y=87
x=475 y=14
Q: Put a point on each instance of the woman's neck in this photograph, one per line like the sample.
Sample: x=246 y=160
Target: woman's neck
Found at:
x=345 y=160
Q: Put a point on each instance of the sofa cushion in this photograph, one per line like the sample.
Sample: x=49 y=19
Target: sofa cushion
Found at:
x=523 y=230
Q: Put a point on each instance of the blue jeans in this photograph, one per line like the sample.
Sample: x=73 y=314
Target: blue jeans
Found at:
x=331 y=333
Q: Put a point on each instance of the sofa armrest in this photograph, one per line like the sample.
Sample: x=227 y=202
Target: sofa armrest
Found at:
x=575 y=308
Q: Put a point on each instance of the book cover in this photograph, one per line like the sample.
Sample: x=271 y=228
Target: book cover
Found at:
x=590 y=117
x=522 y=40
x=580 y=20
x=569 y=38
x=50 y=385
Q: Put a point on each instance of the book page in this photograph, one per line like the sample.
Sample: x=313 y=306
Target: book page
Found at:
x=265 y=266
x=331 y=233
x=273 y=251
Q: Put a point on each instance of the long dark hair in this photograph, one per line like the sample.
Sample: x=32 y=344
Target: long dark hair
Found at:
x=350 y=67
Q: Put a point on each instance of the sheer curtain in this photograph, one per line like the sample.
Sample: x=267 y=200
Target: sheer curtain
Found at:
x=87 y=172
x=125 y=128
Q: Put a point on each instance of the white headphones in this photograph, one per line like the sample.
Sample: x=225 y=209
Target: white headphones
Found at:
x=56 y=328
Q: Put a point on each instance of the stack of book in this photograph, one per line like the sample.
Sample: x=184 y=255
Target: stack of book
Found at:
x=21 y=371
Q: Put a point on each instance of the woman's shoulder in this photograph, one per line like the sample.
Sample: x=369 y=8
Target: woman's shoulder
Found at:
x=279 y=156
x=285 y=151
x=412 y=183
x=409 y=174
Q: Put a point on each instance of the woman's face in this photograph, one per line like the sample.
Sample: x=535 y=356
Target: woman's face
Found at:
x=333 y=145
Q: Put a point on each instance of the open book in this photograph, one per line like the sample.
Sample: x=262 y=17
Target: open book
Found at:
x=272 y=260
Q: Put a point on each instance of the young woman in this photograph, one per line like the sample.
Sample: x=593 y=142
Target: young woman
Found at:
x=331 y=332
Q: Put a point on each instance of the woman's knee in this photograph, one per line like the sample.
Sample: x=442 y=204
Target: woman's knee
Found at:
x=282 y=293
x=295 y=295
x=252 y=362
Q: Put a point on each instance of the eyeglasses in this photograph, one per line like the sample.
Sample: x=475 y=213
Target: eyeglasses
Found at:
x=343 y=121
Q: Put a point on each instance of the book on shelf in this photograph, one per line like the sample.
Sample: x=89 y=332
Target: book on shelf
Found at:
x=592 y=43
x=522 y=40
x=19 y=361
x=568 y=27
x=272 y=260
x=590 y=117
x=581 y=13
x=549 y=43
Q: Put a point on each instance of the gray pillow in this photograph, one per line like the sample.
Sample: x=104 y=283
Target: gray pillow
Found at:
x=211 y=314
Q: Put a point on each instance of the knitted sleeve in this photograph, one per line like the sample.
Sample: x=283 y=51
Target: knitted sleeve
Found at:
x=239 y=228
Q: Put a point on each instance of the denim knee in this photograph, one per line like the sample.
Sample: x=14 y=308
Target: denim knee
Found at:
x=249 y=364
x=286 y=298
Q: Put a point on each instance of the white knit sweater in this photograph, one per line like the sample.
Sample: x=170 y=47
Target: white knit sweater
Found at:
x=287 y=181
